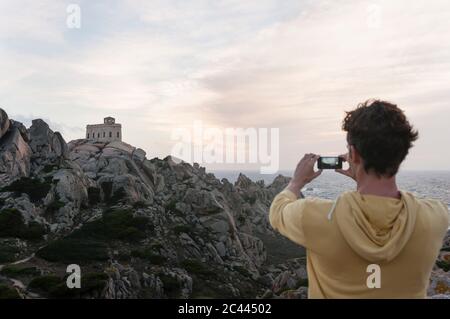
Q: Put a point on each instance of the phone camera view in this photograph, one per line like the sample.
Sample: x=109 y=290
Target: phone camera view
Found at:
x=329 y=163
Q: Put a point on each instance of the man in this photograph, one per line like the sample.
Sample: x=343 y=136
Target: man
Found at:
x=377 y=241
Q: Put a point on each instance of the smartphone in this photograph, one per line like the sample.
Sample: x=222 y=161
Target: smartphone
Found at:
x=329 y=162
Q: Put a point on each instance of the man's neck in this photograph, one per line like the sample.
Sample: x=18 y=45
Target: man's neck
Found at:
x=380 y=186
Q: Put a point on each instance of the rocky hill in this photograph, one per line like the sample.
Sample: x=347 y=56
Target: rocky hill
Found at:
x=138 y=228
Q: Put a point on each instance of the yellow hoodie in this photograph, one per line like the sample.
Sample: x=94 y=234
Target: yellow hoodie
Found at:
x=343 y=238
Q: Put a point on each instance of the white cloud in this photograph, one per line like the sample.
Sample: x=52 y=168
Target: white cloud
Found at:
x=32 y=20
x=294 y=65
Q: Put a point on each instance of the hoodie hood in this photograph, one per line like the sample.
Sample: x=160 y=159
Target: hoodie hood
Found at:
x=376 y=228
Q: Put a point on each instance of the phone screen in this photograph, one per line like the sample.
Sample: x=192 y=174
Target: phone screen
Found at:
x=329 y=162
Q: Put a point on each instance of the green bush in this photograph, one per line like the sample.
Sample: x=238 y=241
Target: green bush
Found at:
x=113 y=198
x=171 y=205
x=139 y=204
x=243 y=271
x=196 y=267
x=44 y=283
x=94 y=196
x=118 y=196
x=302 y=283
x=114 y=224
x=205 y=289
x=443 y=265
x=156 y=246
x=53 y=287
x=8 y=253
x=107 y=190
x=124 y=256
x=8 y=293
x=90 y=242
x=148 y=254
x=61 y=291
x=56 y=287
x=49 y=180
x=17 y=271
x=121 y=224
x=54 y=207
x=90 y=282
x=34 y=231
x=93 y=281
x=171 y=285
x=33 y=187
x=49 y=168
x=74 y=250
x=12 y=225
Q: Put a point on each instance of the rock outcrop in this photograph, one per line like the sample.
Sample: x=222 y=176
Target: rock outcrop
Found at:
x=4 y=122
x=151 y=226
x=138 y=228
x=48 y=147
x=15 y=153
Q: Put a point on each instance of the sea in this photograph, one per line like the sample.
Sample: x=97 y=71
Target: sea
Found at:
x=430 y=184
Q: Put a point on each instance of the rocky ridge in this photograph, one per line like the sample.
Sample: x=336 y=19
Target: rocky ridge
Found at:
x=138 y=228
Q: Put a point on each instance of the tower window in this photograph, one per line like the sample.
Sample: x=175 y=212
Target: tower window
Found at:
x=104 y=134
x=110 y=134
x=87 y=135
x=98 y=135
x=118 y=134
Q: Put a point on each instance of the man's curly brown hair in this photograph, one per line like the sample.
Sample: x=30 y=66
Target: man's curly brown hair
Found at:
x=382 y=135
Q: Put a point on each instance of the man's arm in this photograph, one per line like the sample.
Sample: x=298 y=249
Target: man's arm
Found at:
x=304 y=173
x=286 y=214
x=286 y=211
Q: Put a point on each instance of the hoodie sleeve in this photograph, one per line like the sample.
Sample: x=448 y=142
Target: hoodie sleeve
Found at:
x=287 y=214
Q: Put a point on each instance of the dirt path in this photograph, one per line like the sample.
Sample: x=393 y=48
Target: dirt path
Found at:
x=19 y=285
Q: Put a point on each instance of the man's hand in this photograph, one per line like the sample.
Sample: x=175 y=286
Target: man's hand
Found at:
x=347 y=172
x=304 y=173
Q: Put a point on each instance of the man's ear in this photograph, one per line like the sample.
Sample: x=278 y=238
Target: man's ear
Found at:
x=354 y=155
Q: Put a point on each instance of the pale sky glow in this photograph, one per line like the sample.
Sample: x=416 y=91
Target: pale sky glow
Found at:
x=292 y=65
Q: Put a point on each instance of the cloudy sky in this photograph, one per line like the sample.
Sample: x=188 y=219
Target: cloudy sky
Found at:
x=293 y=65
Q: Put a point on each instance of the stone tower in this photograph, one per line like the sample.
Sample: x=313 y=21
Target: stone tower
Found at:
x=109 y=131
